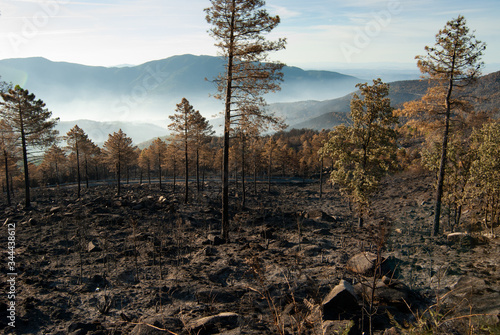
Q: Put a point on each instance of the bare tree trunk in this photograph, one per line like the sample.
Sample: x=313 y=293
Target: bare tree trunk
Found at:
x=243 y=187
x=159 y=169
x=186 y=166
x=321 y=178
x=6 y=162
x=149 y=174
x=118 y=172
x=175 y=174
x=86 y=172
x=27 y=197
x=442 y=166
x=269 y=170
x=255 y=176
x=198 y=170
x=227 y=128
x=78 y=177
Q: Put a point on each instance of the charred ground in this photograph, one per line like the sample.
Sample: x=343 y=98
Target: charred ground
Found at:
x=108 y=264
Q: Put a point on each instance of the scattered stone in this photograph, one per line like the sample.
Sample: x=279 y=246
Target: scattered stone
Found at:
x=463 y=239
x=365 y=264
x=55 y=209
x=213 y=324
x=317 y=214
x=92 y=247
x=335 y=327
x=341 y=301
x=215 y=240
x=362 y=263
x=456 y=237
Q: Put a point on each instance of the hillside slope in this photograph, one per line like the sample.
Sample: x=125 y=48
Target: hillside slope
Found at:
x=485 y=94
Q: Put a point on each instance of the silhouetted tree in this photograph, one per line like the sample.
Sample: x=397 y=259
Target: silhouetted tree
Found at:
x=54 y=162
x=8 y=148
x=158 y=151
x=145 y=162
x=119 y=153
x=77 y=140
x=31 y=120
x=173 y=160
x=201 y=133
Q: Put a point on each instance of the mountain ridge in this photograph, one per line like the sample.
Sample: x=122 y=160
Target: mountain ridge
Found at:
x=151 y=90
x=122 y=96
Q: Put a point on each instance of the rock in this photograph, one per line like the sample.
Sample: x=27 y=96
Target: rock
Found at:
x=215 y=240
x=157 y=325
x=317 y=214
x=55 y=209
x=362 y=263
x=468 y=285
x=387 y=292
x=393 y=295
x=456 y=237
x=90 y=247
x=334 y=327
x=464 y=239
x=213 y=324
x=340 y=301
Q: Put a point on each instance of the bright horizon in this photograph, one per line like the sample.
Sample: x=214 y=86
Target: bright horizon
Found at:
x=321 y=34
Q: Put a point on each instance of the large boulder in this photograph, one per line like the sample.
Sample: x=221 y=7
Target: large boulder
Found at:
x=365 y=264
x=340 y=302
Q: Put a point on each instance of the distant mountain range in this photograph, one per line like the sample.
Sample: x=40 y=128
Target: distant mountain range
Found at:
x=150 y=92
x=139 y=99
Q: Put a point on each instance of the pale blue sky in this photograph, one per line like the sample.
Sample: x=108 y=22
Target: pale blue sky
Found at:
x=321 y=34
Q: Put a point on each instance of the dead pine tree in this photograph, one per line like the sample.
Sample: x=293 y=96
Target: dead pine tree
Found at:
x=31 y=121
x=119 y=153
